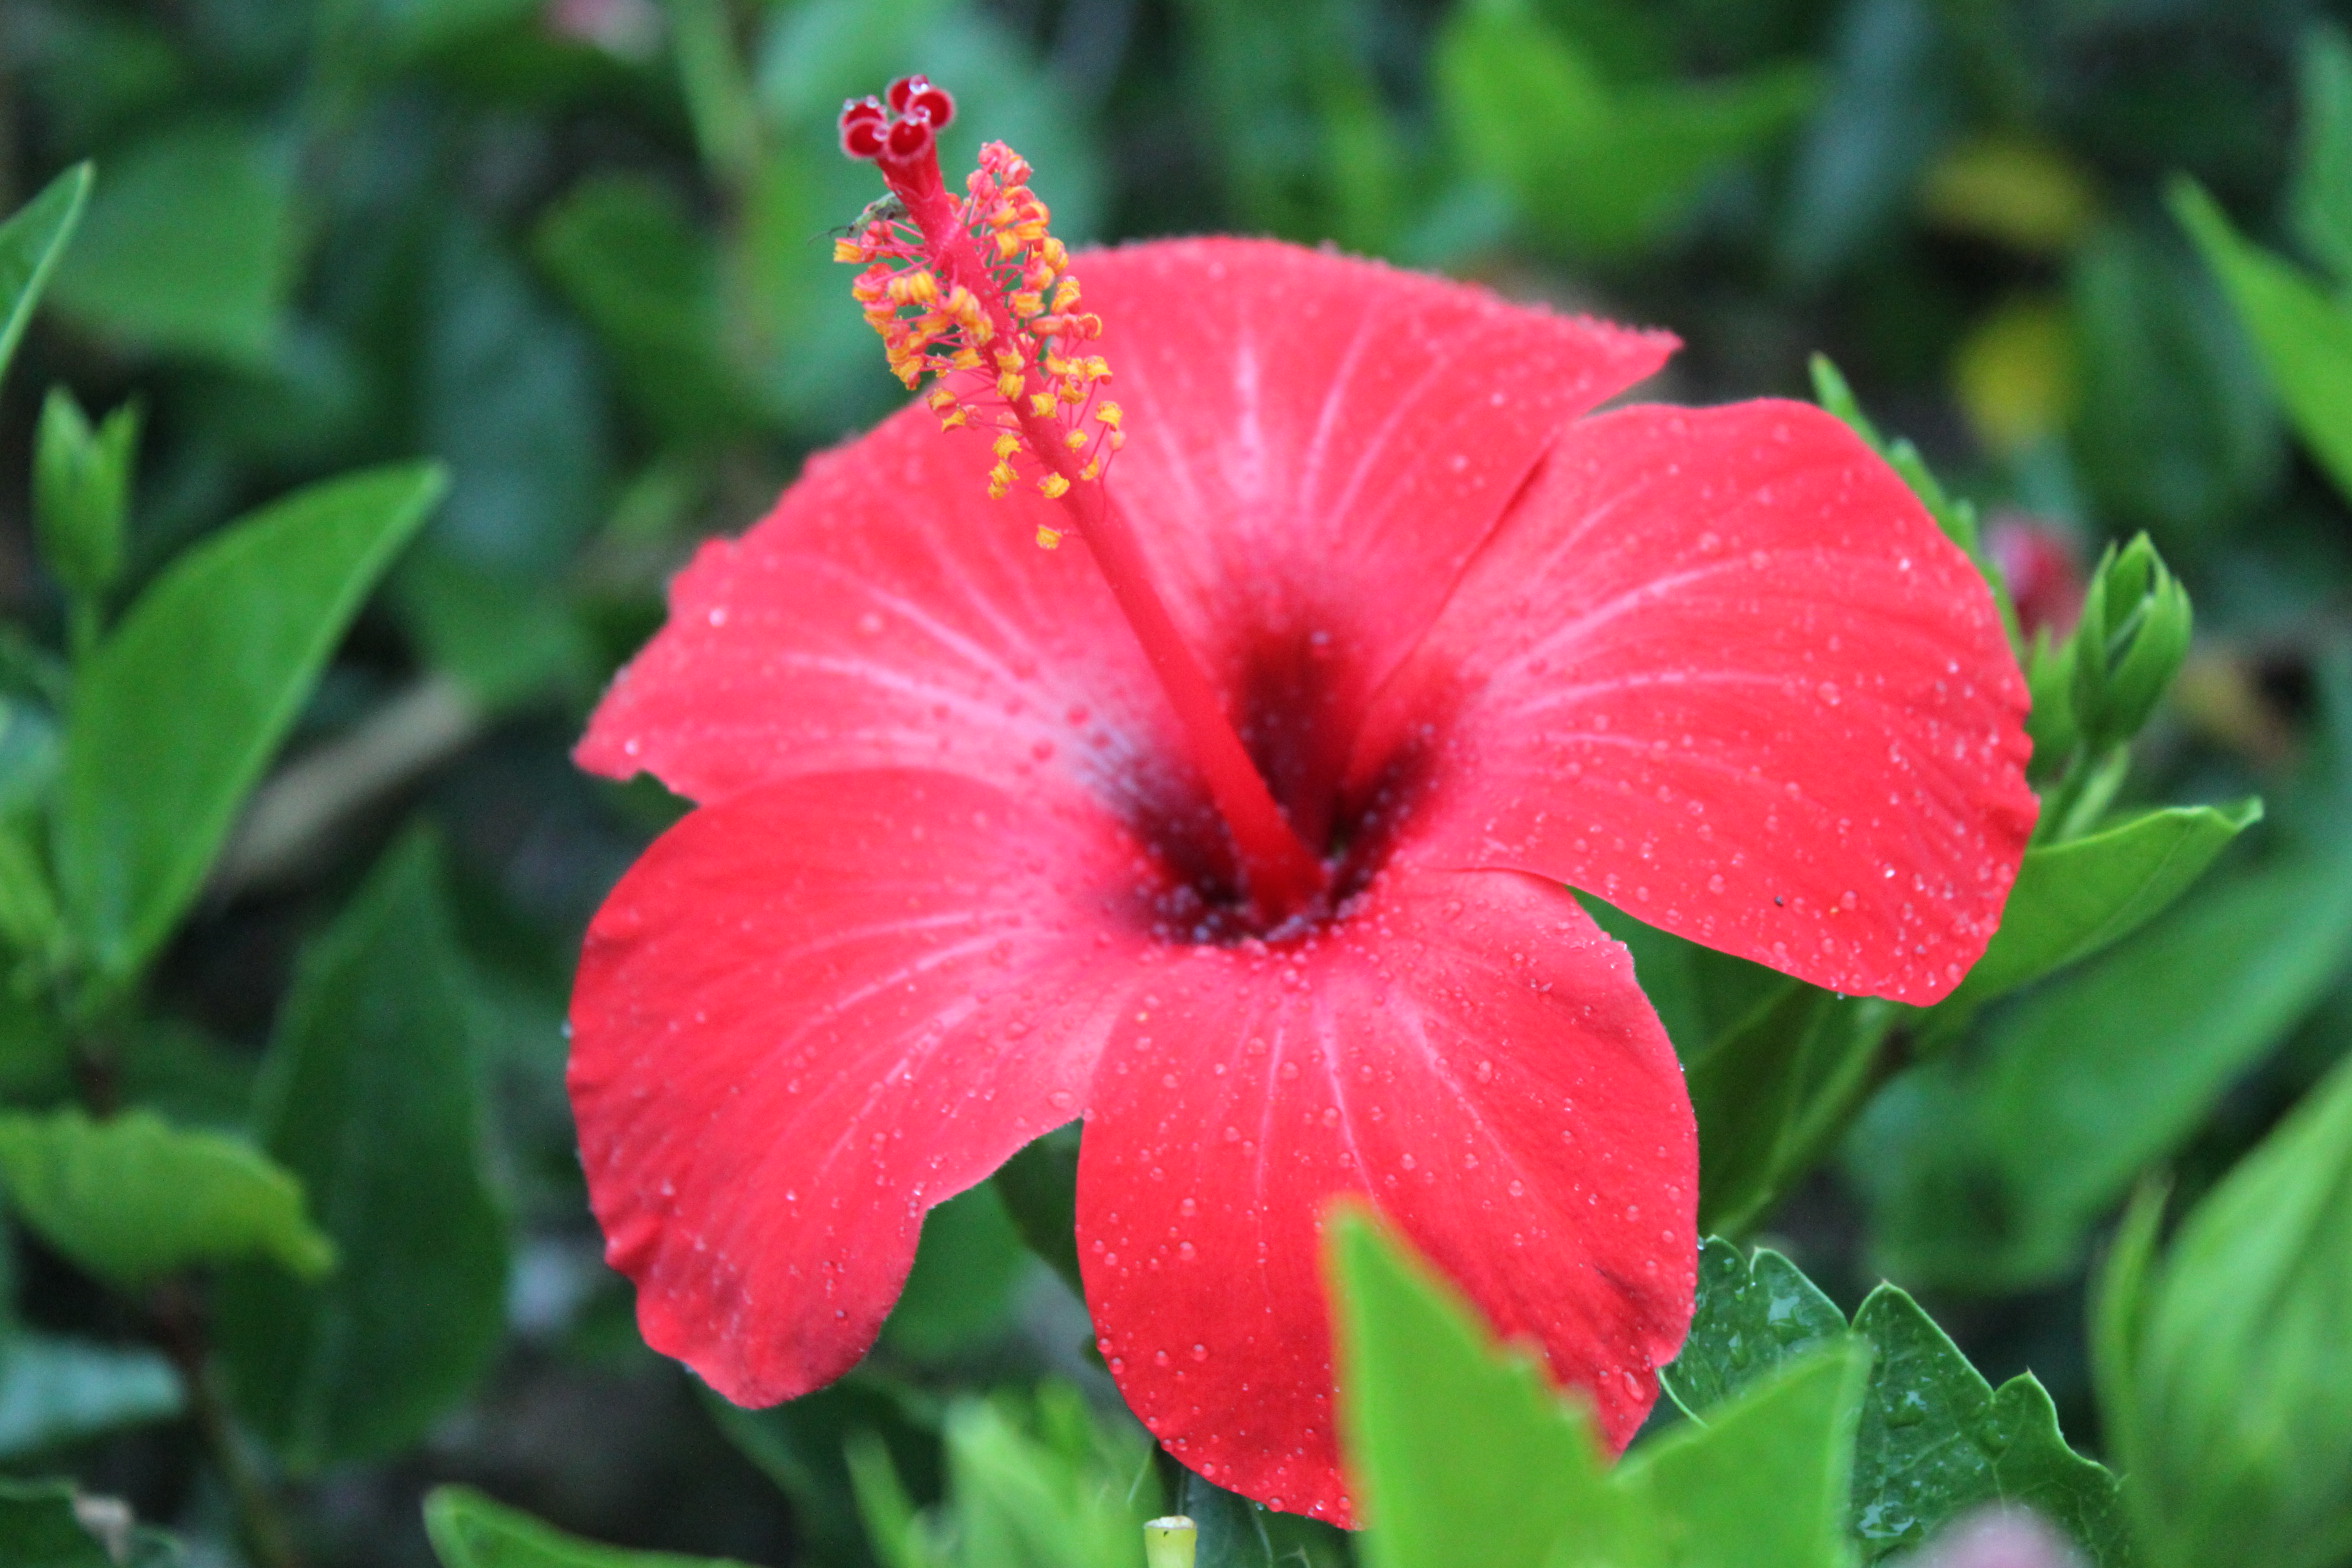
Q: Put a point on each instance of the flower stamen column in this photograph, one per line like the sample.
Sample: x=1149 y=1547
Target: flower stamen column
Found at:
x=978 y=293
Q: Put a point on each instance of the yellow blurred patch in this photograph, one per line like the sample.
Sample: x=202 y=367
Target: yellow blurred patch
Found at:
x=2014 y=374
x=2022 y=194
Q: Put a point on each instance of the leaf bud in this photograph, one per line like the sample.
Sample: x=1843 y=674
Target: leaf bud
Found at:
x=2133 y=635
x=82 y=491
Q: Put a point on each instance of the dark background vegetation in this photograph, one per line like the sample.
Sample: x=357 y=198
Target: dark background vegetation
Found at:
x=577 y=250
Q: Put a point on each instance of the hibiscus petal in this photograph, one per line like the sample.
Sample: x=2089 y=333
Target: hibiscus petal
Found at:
x=813 y=1011
x=1317 y=446
x=1469 y=1052
x=1720 y=668
x=888 y=614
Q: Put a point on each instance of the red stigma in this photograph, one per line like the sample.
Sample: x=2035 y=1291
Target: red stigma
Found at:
x=903 y=129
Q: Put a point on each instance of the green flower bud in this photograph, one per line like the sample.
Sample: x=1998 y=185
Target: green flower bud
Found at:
x=2049 y=676
x=2134 y=633
x=2225 y=1370
x=82 y=492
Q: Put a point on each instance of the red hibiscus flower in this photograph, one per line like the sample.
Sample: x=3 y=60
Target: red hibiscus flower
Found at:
x=1242 y=826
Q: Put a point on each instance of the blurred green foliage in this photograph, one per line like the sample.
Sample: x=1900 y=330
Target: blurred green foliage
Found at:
x=399 y=350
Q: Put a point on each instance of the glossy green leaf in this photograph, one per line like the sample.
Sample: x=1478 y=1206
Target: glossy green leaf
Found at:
x=132 y=1198
x=1934 y=1439
x=38 y=1528
x=30 y=243
x=1753 y=1314
x=1937 y=1441
x=2228 y=1376
x=2303 y=333
x=2319 y=198
x=468 y=1530
x=372 y=1095
x=55 y=1391
x=1040 y=1483
x=2075 y=898
x=190 y=245
x=181 y=708
x=1986 y=1169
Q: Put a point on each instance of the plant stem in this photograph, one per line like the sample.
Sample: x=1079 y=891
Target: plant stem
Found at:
x=260 y=1521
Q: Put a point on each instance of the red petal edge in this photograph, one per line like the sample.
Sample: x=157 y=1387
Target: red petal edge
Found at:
x=1720 y=668
x=812 y=1012
x=1466 y=1050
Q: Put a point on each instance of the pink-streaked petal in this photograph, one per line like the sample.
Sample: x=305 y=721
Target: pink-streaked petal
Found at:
x=814 y=1010
x=1720 y=668
x=887 y=614
x=1465 y=1050
x=1317 y=444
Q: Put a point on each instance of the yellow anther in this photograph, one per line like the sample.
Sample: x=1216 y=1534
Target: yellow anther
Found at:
x=1025 y=304
x=1048 y=538
x=1055 y=365
x=1091 y=470
x=1073 y=392
x=1057 y=255
x=965 y=359
x=1097 y=368
x=1008 y=244
x=1109 y=413
x=941 y=398
x=1009 y=384
x=1008 y=359
x=1041 y=403
x=1075 y=439
x=958 y=417
x=1001 y=474
x=1007 y=444
x=1053 y=487
x=1065 y=293
x=848 y=250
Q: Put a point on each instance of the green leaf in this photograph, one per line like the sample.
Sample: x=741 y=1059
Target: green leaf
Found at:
x=132 y=1198
x=30 y=243
x=371 y=1095
x=2175 y=429
x=1462 y=1452
x=1937 y=1441
x=179 y=710
x=1753 y=1315
x=2303 y=333
x=1986 y=1169
x=1599 y=171
x=39 y=1529
x=1039 y=1189
x=1934 y=1439
x=645 y=277
x=2319 y=198
x=960 y=1292
x=2075 y=898
x=1038 y=1483
x=190 y=246
x=1235 y=1532
x=2226 y=1369
x=1763 y=1482
x=1771 y=1094
x=56 y=1391
x=468 y=1530
x=799 y=1445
